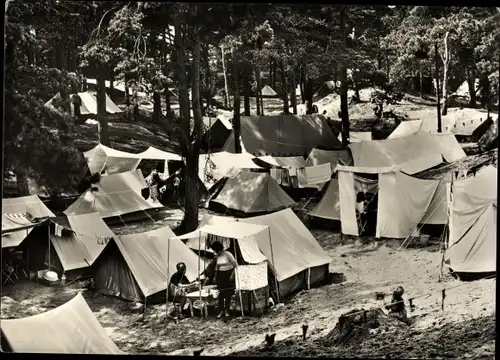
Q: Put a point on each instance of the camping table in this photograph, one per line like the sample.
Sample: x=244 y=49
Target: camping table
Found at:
x=207 y=295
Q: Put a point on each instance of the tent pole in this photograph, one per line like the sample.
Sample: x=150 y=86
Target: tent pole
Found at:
x=239 y=284
x=308 y=278
x=199 y=250
x=49 y=243
x=168 y=279
x=272 y=258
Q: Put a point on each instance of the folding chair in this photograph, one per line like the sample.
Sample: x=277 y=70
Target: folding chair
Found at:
x=9 y=273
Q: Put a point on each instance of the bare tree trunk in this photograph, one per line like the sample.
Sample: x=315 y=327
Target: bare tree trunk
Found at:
x=22 y=183
x=284 y=88
x=102 y=117
x=344 y=109
x=210 y=80
x=246 y=88
x=294 y=94
x=156 y=106
x=237 y=110
x=437 y=89
x=127 y=92
x=446 y=63
x=258 y=95
x=471 y=83
x=275 y=68
x=192 y=190
x=226 y=90
x=421 y=80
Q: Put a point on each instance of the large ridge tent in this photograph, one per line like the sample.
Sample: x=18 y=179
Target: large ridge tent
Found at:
x=78 y=243
x=217 y=131
x=117 y=195
x=137 y=266
x=473 y=223
x=268 y=92
x=403 y=200
x=290 y=162
x=284 y=135
x=215 y=166
x=242 y=240
x=295 y=257
x=406 y=128
x=19 y=216
x=246 y=192
x=70 y=328
x=88 y=107
x=412 y=153
x=102 y=158
x=319 y=157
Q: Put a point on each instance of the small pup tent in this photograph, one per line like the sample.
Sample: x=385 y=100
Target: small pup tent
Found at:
x=117 y=195
x=77 y=241
x=152 y=153
x=284 y=135
x=473 y=223
x=105 y=159
x=247 y=192
x=268 y=92
x=329 y=205
x=357 y=136
x=217 y=131
x=19 y=216
x=69 y=329
x=88 y=105
x=137 y=266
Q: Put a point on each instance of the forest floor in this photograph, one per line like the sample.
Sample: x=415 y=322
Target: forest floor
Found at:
x=465 y=328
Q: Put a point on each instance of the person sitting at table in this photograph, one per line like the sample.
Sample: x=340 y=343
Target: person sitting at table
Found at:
x=179 y=293
x=224 y=277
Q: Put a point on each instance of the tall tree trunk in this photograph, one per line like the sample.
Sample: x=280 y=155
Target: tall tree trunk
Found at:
x=294 y=94
x=421 y=80
x=438 y=100
x=275 y=68
x=22 y=183
x=498 y=84
x=344 y=109
x=102 y=116
x=302 y=85
x=226 y=87
x=471 y=83
x=246 y=88
x=258 y=92
x=127 y=93
x=284 y=88
x=156 y=106
x=237 y=110
x=209 y=77
x=167 y=102
x=270 y=70
x=192 y=190
x=446 y=64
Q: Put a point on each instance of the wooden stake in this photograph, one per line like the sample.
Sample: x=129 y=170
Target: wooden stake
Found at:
x=443 y=296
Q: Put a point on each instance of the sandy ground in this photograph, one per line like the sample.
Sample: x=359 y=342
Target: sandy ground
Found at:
x=368 y=267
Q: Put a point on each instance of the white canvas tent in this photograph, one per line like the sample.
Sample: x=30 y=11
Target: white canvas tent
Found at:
x=117 y=195
x=295 y=258
x=412 y=153
x=329 y=205
x=88 y=105
x=214 y=166
x=403 y=200
x=473 y=223
x=79 y=244
x=19 y=216
x=103 y=158
x=250 y=193
x=137 y=266
x=284 y=135
x=152 y=153
x=319 y=157
x=68 y=329
x=268 y=91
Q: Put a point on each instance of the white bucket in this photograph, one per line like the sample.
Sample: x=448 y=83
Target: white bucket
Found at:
x=424 y=239
x=51 y=276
